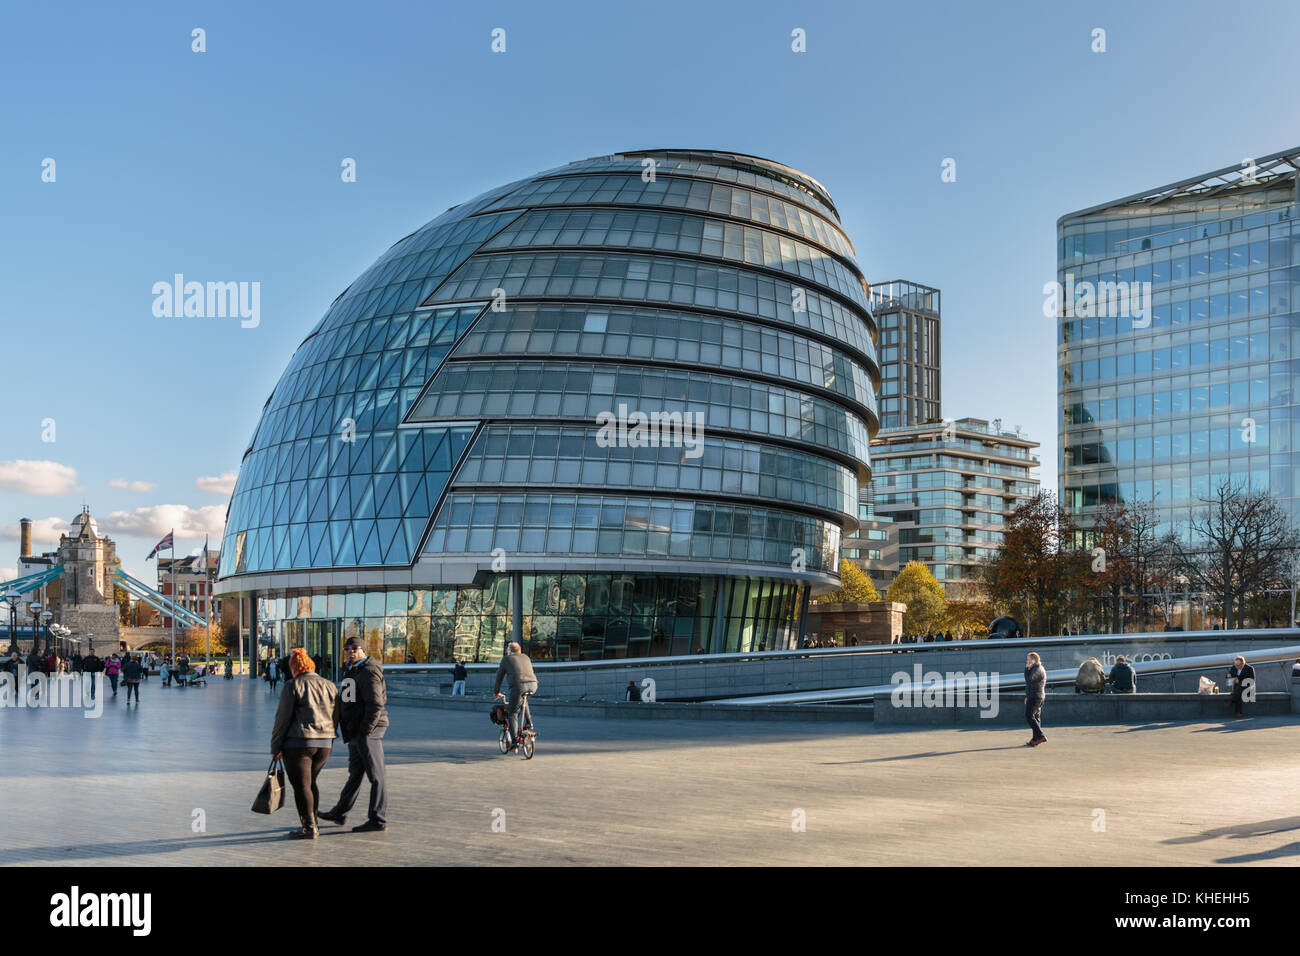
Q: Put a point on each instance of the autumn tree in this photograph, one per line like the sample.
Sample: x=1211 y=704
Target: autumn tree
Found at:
x=855 y=587
x=917 y=587
x=1036 y=565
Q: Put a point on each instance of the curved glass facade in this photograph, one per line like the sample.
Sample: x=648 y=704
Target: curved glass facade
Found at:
x=446 y=422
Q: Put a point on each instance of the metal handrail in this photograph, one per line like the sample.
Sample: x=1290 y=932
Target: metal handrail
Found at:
x=1057 y=677
x=872 y=650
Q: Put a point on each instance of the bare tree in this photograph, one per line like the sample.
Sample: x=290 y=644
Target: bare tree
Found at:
x=1243 y=539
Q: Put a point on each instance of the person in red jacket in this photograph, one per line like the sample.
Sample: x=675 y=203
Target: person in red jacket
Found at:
x=113 y=667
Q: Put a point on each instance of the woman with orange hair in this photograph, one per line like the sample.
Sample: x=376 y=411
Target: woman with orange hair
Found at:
x=304 y=730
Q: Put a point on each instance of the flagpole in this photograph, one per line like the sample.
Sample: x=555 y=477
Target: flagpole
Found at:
x=174 y=601
x=207 y=630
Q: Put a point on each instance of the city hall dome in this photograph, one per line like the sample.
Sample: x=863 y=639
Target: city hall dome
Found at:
x=641 y=382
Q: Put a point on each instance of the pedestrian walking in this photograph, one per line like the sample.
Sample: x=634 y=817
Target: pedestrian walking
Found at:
x=1035 y=693
x=92 y=665
x=1242 y=677
x=303 y=735
x=112 y=668
x=458 y=675
x=273 y=673
x=363 y=718
x=132 y=674
x=632 y=692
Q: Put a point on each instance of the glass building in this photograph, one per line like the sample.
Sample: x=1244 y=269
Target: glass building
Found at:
x=948 y=486
x=908 y=314
x=434 y=471
x=1191 y=385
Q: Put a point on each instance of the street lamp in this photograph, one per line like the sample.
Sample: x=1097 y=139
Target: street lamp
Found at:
x=45 y=621
x=35 y=608
x=11 y=598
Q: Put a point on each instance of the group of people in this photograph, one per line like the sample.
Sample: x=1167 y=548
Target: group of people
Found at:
x=310 y=714
x=312 y=711
x=930 y=637
x=1123 y=678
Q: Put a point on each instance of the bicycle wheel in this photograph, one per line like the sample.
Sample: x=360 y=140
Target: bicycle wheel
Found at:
x=528 y=746
x=504 y=741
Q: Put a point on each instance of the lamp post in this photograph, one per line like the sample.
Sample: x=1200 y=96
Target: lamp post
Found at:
x=35 y=608
x=45 y=622
x=11 y=598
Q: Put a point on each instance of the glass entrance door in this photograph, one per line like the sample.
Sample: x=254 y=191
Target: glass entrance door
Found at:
x=322 y=644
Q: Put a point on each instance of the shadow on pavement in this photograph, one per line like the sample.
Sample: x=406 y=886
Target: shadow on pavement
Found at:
x=931 y=753
x=106 y=851
x=1241 y=831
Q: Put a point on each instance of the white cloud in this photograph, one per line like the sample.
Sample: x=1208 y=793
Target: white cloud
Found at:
x=132 y=485
x=44 y=531
x=7 y=574
x=38 y=477
x=223 y=484
x=157 y=520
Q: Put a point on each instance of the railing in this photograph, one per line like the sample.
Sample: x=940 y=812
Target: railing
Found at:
x=871 y=650
x=159 y=602
x=1063 y=676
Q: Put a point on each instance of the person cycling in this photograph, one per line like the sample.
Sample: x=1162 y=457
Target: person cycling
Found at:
x=517 y=670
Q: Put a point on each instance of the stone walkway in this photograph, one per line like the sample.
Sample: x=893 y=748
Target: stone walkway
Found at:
x=125 y=789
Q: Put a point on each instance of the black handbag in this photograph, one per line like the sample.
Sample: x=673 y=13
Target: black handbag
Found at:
x=271 y=797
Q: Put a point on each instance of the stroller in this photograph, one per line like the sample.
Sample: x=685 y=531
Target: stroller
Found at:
x=195 y=678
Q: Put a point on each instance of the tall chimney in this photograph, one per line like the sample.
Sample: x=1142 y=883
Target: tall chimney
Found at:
x=25 y=538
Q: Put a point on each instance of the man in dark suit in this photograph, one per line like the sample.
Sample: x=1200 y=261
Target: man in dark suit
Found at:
x=363 y=718
x=1242 y=677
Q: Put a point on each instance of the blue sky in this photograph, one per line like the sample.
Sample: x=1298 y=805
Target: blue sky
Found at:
x=224 y=166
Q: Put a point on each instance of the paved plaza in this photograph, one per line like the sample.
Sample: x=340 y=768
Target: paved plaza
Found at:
x=124 y=789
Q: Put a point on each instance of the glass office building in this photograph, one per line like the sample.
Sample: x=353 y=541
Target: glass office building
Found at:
x=436 y=471
x=1190 y=386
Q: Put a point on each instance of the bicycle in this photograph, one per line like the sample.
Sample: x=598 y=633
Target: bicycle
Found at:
x=527 y=741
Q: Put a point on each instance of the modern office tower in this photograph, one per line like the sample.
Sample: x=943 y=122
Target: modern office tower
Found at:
x=617 y=409
x=949 y=486
x=1165 y=399
x=908 y=315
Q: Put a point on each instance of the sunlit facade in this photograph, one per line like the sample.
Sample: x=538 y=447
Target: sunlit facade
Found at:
x=430 y=472
x=1165 y=404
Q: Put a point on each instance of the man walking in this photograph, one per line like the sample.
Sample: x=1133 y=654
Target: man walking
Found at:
x=132 y=672
x=1035 y=693
x=363 y=719
x=92 y=665
x=458 y=675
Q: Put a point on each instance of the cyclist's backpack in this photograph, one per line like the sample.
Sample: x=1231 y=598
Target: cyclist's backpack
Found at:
x=499 y=714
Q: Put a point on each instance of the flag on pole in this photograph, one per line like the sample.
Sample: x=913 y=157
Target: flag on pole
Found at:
x=162 y=545
x=203 y=563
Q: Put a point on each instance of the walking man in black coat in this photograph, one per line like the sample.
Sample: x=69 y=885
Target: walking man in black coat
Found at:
x=363 y=719
x=1035 y=694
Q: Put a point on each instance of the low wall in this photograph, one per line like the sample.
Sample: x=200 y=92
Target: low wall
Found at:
x=705 y=678
x=1070 y=708
x=603 y=710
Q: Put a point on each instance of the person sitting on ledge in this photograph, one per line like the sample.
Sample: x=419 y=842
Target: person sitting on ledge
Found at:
x=1122 y=676
x=1091 y=678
